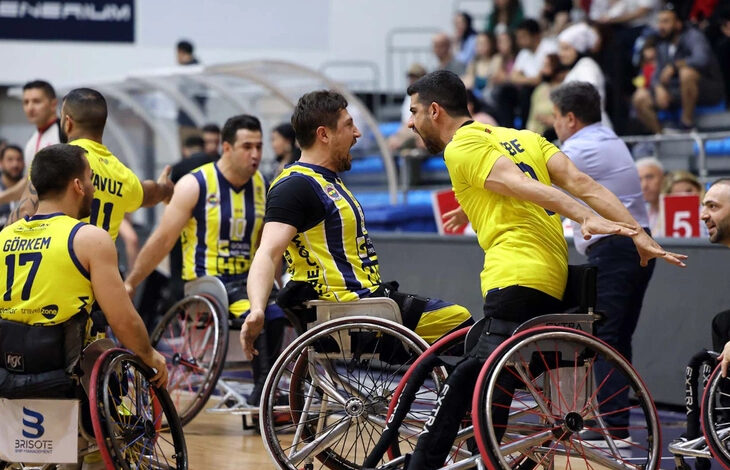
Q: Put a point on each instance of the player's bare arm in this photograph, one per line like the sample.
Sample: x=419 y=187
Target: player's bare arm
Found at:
x=96 y=252
x=274 y=240
x=157 y=191
x=173 y=220
x=566 y=175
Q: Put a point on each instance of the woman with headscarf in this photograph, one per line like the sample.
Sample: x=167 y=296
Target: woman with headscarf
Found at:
x=575 y=45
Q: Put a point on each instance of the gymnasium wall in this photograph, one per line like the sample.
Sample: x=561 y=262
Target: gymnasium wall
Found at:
x=675 y=321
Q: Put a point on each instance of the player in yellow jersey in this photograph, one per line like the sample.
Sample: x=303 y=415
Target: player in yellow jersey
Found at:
x=502 y=179
x=117 y=190
x=318 y=225
x=55 y=267
x=219 y=209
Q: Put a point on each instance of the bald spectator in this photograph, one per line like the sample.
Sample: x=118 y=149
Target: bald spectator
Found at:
x=442 y=49
x=651 y=174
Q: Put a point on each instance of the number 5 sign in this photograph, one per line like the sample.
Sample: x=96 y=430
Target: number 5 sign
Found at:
x=681 y=214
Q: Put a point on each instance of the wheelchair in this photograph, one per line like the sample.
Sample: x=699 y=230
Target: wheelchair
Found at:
x=553 y=397
x=129 y=421
x=334 y=384
x=708 y=419
x=199 y=339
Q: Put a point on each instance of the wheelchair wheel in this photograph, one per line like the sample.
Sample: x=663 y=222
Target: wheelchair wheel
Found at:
x=536 y=398
x=715 y=414
x=422 y=401
x=135 y=423
x=333 y=386
x=193 y=337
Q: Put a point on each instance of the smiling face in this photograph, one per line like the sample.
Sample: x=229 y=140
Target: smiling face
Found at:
x=421 y=122
x=716 y=213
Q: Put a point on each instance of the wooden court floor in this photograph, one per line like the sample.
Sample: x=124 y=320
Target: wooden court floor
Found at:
x=218 y=441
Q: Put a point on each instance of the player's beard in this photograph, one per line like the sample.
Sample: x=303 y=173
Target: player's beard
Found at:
x=85 y=209
x=722 y=232
x=345 y=163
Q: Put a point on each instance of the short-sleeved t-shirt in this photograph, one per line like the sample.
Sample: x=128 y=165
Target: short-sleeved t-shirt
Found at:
x=117 y=190
x=523 y=243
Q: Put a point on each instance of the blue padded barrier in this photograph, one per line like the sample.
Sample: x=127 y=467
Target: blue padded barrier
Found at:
x=715 y=147
x=674 y=114
x=389 y=128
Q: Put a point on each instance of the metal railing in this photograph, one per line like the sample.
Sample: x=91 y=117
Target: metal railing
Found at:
x=403 y=47
x=699 y=138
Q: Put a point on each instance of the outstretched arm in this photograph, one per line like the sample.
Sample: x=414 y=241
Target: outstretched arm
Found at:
x=507 y=179
x=567 y=176
x=274 y=240
x=157 y=191
x=159 y=244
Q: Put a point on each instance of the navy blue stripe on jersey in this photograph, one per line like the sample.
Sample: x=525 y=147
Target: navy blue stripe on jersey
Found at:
x=366 y=263
x=28 y=218
x=71 y=251
x=249 y=209
x=200 y=216
x=224 y=202
x=333 y=233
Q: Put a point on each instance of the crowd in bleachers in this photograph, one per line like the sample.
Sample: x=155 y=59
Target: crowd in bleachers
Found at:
x=643 y=56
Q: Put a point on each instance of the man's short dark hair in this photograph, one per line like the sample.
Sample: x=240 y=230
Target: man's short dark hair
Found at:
x=87 y=108
x=213 y=128
x=193 y=141
x=11 y=147
x=314 y=109
x=43 y=85
x=529 y=25
x=242 y=121
x=580 y=98
x=185 y=46
x=444 y=88
x=55 y=166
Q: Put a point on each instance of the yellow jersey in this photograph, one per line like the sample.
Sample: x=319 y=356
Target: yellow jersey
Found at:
x=523 y=243
x=116 y=189
x=221 y=237
x=45 y=284
x=336 y=256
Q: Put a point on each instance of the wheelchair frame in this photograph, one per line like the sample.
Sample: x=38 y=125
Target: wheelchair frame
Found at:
x=105 y=371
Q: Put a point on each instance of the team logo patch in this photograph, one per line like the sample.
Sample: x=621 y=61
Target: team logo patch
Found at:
x=332 y=192
x=213 y=200
x=14 y=362
x=49 y=311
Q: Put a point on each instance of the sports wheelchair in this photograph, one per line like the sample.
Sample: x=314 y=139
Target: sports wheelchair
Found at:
x=128 y=420
x=199 y=339
x=708 y=421
x=353 y=408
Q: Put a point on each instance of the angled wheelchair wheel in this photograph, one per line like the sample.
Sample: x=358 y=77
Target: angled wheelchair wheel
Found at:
x=412 y=402
x=715 y=414
x=536 y=402
x=325 y=401
x=135 y=423
x=193 y=337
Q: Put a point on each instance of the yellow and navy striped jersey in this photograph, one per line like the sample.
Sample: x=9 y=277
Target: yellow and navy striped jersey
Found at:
x=523 y=243
x=117 y=190
x=221 y=237
x=45 y=284
x=336 y=255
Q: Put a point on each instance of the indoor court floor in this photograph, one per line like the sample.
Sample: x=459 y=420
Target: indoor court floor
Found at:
x=217 y=441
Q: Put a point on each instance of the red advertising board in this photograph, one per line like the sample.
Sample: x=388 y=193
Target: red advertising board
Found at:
x=443 y=202
x=681 y=214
